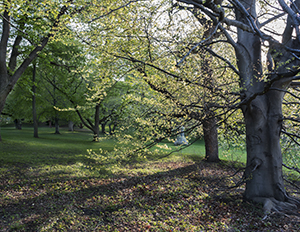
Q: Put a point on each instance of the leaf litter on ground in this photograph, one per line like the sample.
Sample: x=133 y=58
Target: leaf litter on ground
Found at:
x=152 y=196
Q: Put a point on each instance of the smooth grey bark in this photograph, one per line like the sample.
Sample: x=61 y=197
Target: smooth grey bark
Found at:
x=262 y=116
x=261 y=101
x=263 y=119
x=34 y=115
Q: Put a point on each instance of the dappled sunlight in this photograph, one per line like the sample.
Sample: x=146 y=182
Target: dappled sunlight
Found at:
x=149 y=196
x=66 y=189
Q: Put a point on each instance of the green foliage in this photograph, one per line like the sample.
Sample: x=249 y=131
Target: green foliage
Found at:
x=149 y=45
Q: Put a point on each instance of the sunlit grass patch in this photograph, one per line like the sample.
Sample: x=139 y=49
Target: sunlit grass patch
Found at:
x=19 y=146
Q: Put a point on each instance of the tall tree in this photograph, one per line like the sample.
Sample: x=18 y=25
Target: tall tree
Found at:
x=261 y=91
x=27 y=27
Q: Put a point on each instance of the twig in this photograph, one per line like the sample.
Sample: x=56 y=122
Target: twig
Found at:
x=201 y=42
x=26 y=35
x=291 y=183
x=291 y=168
x=113 y=10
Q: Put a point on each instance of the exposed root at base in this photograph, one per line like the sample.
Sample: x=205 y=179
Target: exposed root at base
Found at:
x=289 y=207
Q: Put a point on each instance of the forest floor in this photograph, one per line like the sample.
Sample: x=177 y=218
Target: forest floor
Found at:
x=150 y=196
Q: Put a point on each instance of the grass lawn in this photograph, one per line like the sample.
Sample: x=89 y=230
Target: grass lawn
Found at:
x=49 y=148
x=45 y=185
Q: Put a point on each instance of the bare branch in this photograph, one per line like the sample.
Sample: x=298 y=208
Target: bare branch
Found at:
x=292 y=119
x=223 y=59
x=291 y=136
x=26 y=36
x=238 y=24
x=292 y=15
x=291 y=168
x=113 y=10
x=201 y=42
x=272 y=19
x=286 y=91
x=3 y=45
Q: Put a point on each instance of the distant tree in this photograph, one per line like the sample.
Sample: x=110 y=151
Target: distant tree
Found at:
x=34 y=114
x=38 y=90
x=35 y=23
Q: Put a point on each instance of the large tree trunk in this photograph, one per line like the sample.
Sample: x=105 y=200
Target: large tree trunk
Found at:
x=263 y=174
x=211 y=138
x=263 y=119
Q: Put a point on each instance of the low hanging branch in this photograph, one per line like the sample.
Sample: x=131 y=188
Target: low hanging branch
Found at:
x=291 y=168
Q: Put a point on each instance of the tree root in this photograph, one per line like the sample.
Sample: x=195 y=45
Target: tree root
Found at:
x=289 y=207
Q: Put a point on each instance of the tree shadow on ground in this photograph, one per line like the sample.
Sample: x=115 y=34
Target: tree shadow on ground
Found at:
x=182 y=196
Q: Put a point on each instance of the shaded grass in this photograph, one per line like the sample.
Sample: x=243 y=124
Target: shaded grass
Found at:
x=45 y=186
x=169 y=196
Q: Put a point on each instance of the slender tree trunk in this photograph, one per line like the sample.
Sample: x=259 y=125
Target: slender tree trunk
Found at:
x=34 y=115
x=56 y=120
x=110 y=129
x=103 y=128
x=114 y=127
x=97 y=122
x=210 y=122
